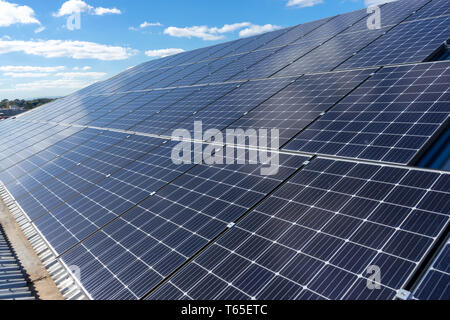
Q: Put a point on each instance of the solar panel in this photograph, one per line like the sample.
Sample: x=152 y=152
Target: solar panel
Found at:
x=137 y=110
x=68 y=178
x=176 y=113
x=160 y=234
x=208 y=68
x=334 y=27
x=411 y=41
x=57 y=145
x=434 y=284
x=239 y=64
x=303 y=101
x=434 y=8
x=259 y=41
x=275 y=62
x=93 y=172
x=318 y=234
x=389 y=118
x=231 y=107
x=296 y=33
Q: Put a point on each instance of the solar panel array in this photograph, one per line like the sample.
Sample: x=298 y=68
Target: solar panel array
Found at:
x=355 y=108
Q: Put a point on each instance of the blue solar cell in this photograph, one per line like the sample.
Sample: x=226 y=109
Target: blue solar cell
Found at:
x=231 y=107
x=239 y=63
x=303 y=101
x=176 y=113
x=434 y=283
x=374 y=121
x=168 y=228
x=94 y=174
x=318 y=251
x=411 y=41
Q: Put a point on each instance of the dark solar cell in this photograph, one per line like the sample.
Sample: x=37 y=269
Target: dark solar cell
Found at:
x=411 y=41
x=94 y=172
x=386 y=119
x=303 y=101
x=434 y=283
x=322 y=250
x=165 y=230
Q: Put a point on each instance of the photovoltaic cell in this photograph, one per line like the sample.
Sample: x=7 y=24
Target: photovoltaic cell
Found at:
x=165 y=99
x=303 y=101
x=277 y=61
x=434 y=284
x=316 y=236
x=239 y=64
x=389 y=118
x=178 y=112
x=91 y=175
x=296 y=33
x=434 y=8
x=156 y=237
x=411 y=41
x=234 y=105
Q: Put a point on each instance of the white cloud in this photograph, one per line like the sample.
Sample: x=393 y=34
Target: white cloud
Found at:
x=376 y=2
x=72 y=6
x=205 y=32
x=86 y=68
x=83 y=75
x=49 y=84
x=25 y=75
x=163 y=52
x=40 y=29
x=255 y=29
x=31 y=69
x=146 y=24
x=11 y=13
x=303 y=3
x=67 y=48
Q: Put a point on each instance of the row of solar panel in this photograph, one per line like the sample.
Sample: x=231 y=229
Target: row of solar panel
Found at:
x=384 y=110
x=343 y=42
x=114 y=203
x=118 y=208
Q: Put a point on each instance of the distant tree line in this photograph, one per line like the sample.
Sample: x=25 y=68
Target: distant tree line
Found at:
x=26 y=104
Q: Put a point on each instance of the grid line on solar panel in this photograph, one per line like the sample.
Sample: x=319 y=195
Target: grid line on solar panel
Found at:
x=56 y=148
x=85 y=107
x=133 y=107
x=128 y=120
x=56 y=163
x=19 y=149
x=343 y=45
x=77 y=218
x=311 y=25
x=178 y=221
x=410 y=41
x=389 y=118
x=266 y=249
x=176 y=113
x=83 y=176
x=303 y=101
x=233 y=105
x=433 y=285
x=434 y=8
x=386 y=15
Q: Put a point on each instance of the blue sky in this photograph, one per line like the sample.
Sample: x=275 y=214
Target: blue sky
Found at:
x=41 y=57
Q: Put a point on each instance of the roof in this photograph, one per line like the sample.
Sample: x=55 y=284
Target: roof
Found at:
x=13 y=279
x=93 y=174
